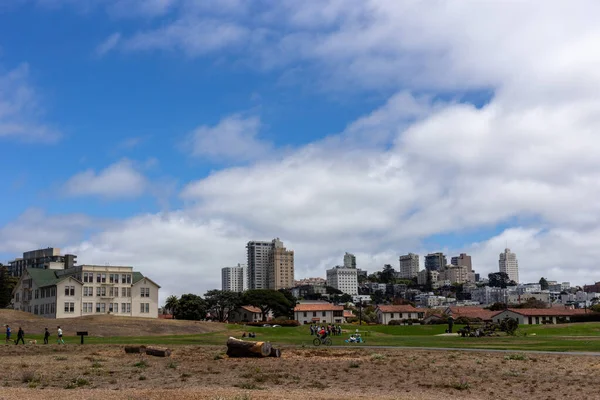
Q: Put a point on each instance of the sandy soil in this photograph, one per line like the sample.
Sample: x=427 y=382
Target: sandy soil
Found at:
x=203 y=372
x=103 y=325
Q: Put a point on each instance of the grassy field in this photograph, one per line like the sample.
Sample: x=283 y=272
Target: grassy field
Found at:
x=567 y=337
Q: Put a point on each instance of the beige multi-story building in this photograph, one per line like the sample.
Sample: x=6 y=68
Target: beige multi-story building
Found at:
x=344 y=279
x=409 y=266
x=508 y=263
x=463 y=260
x=456 y=274
x=86 y=290
x=281 y=266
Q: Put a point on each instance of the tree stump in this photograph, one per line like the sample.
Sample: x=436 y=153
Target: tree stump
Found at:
x=158 y=352
x=275 y=352
x=240 y=348
x=135 y=349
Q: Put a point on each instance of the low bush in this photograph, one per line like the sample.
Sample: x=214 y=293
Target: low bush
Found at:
x=589 y=317
x=395 y=322
x=286 y=322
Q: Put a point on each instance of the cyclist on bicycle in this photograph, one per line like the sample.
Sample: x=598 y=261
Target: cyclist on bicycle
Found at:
x=322 y=333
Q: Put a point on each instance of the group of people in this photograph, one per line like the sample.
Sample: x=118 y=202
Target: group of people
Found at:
x=330 y=330
x=250 y=335
x=21 y=335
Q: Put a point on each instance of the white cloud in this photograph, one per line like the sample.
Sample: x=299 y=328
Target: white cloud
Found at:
x=117 y=181
x=108 y=44
x=20 y=109
x=234 y=138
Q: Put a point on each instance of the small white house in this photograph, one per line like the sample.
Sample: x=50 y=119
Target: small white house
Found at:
x=246 y=314
x=534 y=316
x=319 y=313
x=385 y=314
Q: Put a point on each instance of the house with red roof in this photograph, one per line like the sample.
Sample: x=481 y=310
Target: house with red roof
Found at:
x=533 y=316
x=471 y=313
x=319 y=313
x=385 y=314
x=246 y=314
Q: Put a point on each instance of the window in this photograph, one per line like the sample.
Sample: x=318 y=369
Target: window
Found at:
x=123 y=278
x=145 y=292
x=144 y=308
x=128 y=307
x=111 y=278
x=324 y=313
x=88 y=277
x=123 y=292
x=128 y=292
x=37 y=294
x=52 y=308
x=97 y=292
x=314 y=313
x=110 y=307
x=103 y=278
x=122 y=307
x=111 y=291
x=392 y=315
x=128 y=278
x=103 y=291
x=53 y=291
x=116 y=307
x=35 y=310
x=305 y=314
x=98 y=278
x=69 y=307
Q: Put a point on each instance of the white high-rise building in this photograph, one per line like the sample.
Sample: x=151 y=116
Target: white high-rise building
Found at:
x=344 y=279
x=409 y=266
x=234 y=279
x=349 y=260
x=508 y=263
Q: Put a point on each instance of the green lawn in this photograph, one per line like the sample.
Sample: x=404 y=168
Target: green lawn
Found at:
x=567 y=337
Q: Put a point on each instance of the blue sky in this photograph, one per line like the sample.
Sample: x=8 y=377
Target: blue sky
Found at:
x=164 y=133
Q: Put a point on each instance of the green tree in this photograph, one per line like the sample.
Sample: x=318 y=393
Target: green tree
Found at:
x=171 y=304
x=331 y=290
x=497 y=307
x=378 y=297
x=190 y=307
x=388 y=275
x=267 y=300
x=499 y=279
x=345 y=298
x=544 y=283
x=220 y=303
x=286 y=310
x=7 y=284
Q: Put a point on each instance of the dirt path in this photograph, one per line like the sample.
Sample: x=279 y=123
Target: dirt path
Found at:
x=203 y=372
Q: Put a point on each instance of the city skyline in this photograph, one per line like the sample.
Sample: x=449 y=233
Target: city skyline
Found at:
x=166 y=134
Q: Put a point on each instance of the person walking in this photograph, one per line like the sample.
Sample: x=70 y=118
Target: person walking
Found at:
x=20 y=336
x=8 y=332
x=59 y=339
x=46 y=336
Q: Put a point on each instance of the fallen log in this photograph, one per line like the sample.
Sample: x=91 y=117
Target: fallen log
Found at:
x=158 y=352
x=135 y=349
x=240 y=348
x=275 y=352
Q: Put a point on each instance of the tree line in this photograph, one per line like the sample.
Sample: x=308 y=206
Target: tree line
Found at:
x=218 y=304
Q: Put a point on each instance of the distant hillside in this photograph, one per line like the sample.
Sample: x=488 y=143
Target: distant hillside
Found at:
x=104 y=325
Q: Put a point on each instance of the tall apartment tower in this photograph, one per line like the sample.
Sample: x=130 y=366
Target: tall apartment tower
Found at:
x=48 y=258
x=349 y=260
x=435 y=261
x=281 y=266
x=270 y=265
x=464 y=260
x=508 y=263
x=409 y=266
x=234 y=279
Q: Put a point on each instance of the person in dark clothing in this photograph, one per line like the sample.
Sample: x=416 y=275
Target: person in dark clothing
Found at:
x=46 y=336
x=20 y=336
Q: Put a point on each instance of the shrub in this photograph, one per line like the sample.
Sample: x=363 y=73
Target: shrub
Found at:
x=589 y=317
x=518 y=357
x=395 y=322
x=141 y=364
x=509 y=325
x=287 y=322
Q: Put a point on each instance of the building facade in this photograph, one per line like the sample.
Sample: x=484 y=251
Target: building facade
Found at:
x=385 y=314
x=463 y=260
x=234 y=279
x=270 y=265
x=319 y=313
x=435 y=261
x=258 y=264
x=349 y=260
x=43 y=259
x=409 y=266
x=508 y=264
x=344 y=279
x=86 y=290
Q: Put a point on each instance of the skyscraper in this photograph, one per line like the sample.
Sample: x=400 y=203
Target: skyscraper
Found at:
x=508 y=263
x=409 y=266
x=435 y=261
x=349 y=260
x=464 y=260
x=234 y=279
x=270 y=265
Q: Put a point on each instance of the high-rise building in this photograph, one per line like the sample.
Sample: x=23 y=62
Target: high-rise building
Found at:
x=464 y=260
x=281 y=266
x=234 y=279
x=270 y=265
x=435 y=261
x=258 y=264
x=349 y=260
x=508 y=263
x=49 y=258
x=344 y=279
x=409 y=266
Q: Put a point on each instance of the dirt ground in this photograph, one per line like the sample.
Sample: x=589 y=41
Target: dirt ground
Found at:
x=204 y=372
x=103 y=325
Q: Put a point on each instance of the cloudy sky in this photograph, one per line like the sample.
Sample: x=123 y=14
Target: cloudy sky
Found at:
x=165 y=134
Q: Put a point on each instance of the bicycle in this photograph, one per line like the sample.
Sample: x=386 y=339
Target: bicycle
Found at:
x=319 y=341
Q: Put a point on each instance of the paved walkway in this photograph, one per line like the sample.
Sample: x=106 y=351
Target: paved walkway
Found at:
x=565 y=353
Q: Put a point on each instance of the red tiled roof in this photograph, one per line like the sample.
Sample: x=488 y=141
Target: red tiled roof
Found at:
x=348 y=314
x=318 y=307
x=407 y=308
x=471 y=312
x=252 y=309
x=554 y=312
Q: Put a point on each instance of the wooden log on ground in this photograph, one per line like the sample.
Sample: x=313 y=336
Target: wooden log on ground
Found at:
x=275 y=352
x=241 y=348
x=135 y=349
x=158 y=352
